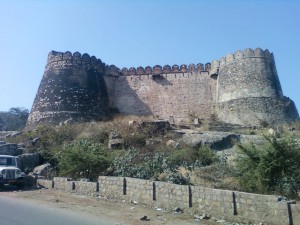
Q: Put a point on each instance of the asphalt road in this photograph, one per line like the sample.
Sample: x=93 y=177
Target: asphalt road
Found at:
x=24 y=212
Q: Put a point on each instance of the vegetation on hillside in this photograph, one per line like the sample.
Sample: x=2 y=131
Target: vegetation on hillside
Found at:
x=275 y=168
x=14 y=119
x=77 y=149
x=81 y=151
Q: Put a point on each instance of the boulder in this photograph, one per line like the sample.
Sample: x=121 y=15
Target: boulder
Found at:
x=274 y=133
x=173 y=144
x=133 y=123
x=114 y=135
x=115 y=143
x=213 y=139
x=43 y=170
x=13 y=134
x=157 y=126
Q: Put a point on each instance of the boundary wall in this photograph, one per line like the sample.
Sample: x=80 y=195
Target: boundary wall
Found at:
x=229 y=205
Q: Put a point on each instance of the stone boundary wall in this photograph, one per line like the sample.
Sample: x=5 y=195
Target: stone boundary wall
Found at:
x=229 y=205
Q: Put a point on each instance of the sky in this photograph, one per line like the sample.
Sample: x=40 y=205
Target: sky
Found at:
x=142 y=33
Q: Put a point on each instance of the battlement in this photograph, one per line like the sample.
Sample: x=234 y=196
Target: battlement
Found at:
x=247 y=53
x=65 y=60
x=240 y=88
x=166 y=69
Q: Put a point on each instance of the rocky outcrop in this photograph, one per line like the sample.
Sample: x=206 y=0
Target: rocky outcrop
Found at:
x=214 y=140
x=115 y=141
x=44 y=170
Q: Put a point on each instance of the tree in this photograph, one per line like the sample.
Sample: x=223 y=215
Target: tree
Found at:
x=273 y=169
x=14 y=119
x=82 y=159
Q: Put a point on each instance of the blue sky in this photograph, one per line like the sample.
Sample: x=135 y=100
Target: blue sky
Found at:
x=141 y=33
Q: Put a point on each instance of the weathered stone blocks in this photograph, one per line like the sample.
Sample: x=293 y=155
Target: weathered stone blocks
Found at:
x=231 y=205
x=83 y=88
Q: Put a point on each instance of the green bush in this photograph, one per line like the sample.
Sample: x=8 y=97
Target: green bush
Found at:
x=272 y=169
x=204 y=156
x=133 y=164
x=134 y=140
x=82 y=159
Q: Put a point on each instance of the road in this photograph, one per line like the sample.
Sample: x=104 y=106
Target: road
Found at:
x=25 y=212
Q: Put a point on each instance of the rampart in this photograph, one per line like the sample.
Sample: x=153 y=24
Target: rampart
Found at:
x=67 y=60
x=230 y=205
x=73 y=88
x=249 y=89
x=192 y=68
x=242 y=88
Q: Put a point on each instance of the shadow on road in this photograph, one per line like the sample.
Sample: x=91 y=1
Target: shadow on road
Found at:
x=12 y=188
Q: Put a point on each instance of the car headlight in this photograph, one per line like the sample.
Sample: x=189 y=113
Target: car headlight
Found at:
x=3 y=172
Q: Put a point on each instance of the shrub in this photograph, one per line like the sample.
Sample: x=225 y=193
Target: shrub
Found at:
x=273 y=169
x=204 y=156
x=134 y=140
x=82 y=159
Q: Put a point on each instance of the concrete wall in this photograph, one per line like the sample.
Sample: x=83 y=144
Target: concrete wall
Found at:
x=231 y=205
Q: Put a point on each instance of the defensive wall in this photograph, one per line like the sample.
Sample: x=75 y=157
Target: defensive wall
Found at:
x=222 y=204
x=241 y=88
x=249 y=89
x=72 y=87
x=171 y=96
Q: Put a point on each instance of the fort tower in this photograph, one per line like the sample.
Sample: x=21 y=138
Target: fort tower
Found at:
x=242 y=88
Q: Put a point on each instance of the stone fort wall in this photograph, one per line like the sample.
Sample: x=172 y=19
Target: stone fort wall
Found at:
x=230 y=205
x=171 y=96
x=249 y=89
x=242 y=88
x=72 y=87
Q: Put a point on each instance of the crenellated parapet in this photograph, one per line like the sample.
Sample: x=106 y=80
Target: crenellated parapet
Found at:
x=166 y=69
x=241 y=88
x=67 y=60
x=60 y=60
x=238 y=55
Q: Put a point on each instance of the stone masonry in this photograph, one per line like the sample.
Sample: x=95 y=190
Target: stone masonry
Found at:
x=242 y=88
x=231 y=205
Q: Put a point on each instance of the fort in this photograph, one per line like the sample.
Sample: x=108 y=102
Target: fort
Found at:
x=242 y=89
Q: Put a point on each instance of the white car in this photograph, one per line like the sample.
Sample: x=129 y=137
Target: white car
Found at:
x=10 y=173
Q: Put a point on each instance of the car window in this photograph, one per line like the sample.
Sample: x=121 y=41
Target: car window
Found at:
x=7 y=161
